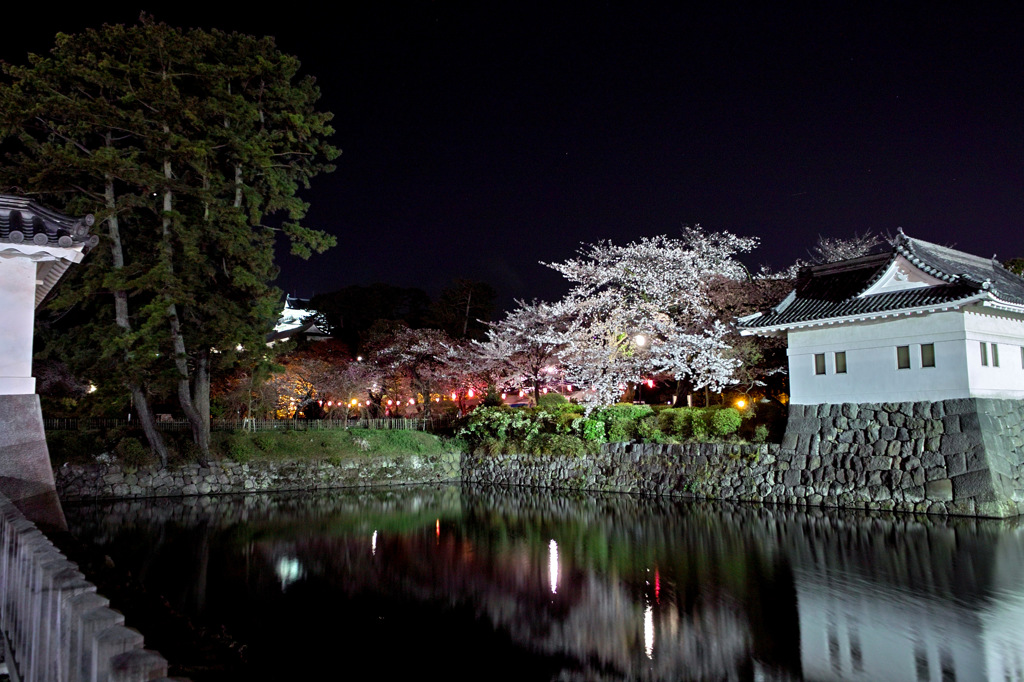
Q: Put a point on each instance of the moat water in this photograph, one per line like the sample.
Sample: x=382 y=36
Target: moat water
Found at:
x=493 y=584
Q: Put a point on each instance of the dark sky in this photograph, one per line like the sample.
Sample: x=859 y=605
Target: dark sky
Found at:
x=477 y=142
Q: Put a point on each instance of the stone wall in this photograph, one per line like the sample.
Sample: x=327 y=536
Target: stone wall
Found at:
x=114 y=480
x=952 y=457
x=959 y=457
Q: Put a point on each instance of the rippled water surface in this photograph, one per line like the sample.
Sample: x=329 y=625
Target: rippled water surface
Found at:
x=491 y=584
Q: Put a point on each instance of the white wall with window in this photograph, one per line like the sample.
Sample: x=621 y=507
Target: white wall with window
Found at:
x=995 y=363
x=905 y=358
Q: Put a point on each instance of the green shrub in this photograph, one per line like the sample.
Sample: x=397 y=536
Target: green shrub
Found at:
x=132 y=453
x=557 y=444
x=725 y=422
x=502 y=424
x=264 y=441
x=241 y=450
x=677 y=421
x=646 y=429
x=620 y=420
x=592 y=430
x=551 y=400
x=760 y=433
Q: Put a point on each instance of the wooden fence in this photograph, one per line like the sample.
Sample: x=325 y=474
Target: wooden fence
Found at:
x=83 y=424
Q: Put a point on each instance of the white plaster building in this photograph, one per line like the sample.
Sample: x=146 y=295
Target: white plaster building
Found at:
x=295 y=323
x=915 y=322
x=37 y=245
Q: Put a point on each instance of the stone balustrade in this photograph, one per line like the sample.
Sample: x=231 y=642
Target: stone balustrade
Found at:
x=55 y=626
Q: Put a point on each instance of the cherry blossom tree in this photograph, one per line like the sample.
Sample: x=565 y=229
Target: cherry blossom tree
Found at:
x=645 y=308
x=514 y=348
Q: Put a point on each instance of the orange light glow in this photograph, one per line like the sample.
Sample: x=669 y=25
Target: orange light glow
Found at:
x=469 y=393
x=454 y=396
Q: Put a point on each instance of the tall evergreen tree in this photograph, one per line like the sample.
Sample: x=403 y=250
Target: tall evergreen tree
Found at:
x=190 y=146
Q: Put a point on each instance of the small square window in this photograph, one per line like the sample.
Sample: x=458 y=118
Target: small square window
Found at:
x=903 y=357
x=984 y=354
x=841 y=362
x=819 y=363
x=995 y=355
x=927 y=354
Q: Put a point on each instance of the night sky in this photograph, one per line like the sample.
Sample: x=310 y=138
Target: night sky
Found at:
x=477 y=142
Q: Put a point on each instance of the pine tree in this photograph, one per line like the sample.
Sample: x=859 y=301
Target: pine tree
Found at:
x=187 y=144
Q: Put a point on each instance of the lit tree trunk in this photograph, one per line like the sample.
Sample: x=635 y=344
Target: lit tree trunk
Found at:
x=142 y=407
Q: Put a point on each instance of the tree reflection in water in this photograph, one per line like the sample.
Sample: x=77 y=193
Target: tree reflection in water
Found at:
x=490 y=583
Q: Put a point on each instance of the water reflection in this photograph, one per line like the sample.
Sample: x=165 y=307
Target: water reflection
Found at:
x=496 y=584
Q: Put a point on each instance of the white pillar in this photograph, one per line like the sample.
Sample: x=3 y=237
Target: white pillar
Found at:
x=17 y=317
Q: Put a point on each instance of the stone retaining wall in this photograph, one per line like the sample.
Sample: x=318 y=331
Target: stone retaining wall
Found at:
x=952 y=457
x=92 y=481
x=959 y=457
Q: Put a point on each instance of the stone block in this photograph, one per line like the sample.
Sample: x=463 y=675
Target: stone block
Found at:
x=970 y=422
x=940 y=490
x=937 y=410
x=973 y=484
x=953 y=443
x=959 y=406
x=956 y=464
x=850 y=410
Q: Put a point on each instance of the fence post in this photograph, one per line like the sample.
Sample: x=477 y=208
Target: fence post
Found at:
x=107 y=644
x=137 y=665
x=72 y=636
x=91 y=624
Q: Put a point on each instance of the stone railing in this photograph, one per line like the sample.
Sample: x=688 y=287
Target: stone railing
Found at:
x=55 y=626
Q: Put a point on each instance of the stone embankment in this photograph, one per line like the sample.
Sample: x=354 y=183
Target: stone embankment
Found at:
x=963 y=457
x=92 y=481
x=959 y=457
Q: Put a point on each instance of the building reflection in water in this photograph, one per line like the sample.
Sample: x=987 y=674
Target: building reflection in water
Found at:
x=587 y=588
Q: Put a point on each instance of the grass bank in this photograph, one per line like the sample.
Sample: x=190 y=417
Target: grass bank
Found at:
x=128 y=446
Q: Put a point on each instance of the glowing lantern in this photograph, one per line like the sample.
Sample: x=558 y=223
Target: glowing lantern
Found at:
x=469 y=393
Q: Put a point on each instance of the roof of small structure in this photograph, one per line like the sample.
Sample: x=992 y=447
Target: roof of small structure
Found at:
x=860 y=288
x=54 y=240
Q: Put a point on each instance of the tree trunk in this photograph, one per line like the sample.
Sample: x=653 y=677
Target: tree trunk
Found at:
x=200 y=424
x=201 y=394
x=142 y=407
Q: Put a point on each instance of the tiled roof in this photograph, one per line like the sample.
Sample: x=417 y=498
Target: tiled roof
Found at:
x=51 y=239
x=23 y=221
x=833 y=291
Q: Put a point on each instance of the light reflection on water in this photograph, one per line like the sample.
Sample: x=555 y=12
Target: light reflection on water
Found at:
x=486 y=583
